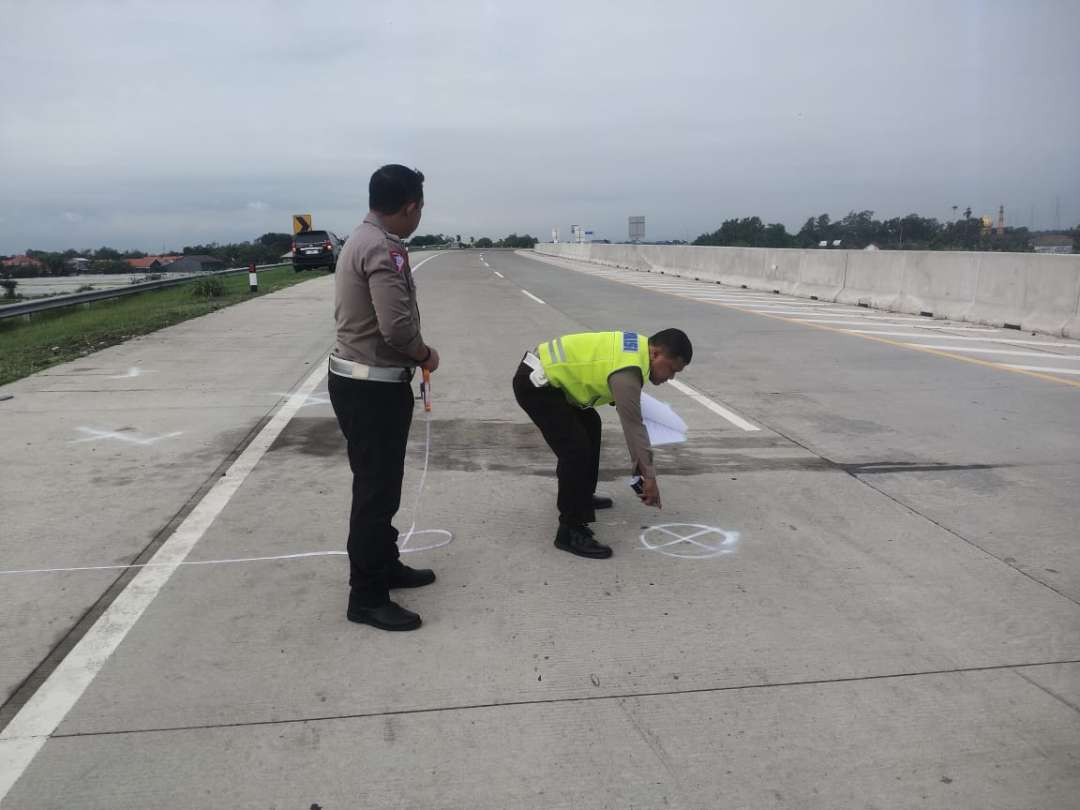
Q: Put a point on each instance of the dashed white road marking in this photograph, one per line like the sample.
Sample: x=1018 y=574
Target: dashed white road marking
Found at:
x=500 y=275
x=697 y=396
x=533 y=297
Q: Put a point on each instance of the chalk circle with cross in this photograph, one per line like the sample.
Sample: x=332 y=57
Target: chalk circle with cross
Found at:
x=689 y=541
x=441 y=538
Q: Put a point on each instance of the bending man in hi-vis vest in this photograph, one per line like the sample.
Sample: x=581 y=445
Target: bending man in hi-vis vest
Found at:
x=559 y=383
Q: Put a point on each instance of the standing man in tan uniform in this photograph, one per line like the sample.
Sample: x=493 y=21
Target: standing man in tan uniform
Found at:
x=378 y=349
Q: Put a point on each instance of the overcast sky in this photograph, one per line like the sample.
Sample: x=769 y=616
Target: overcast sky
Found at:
x=162 y=124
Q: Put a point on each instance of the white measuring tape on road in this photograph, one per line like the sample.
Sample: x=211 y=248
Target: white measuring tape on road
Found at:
x=444 y=537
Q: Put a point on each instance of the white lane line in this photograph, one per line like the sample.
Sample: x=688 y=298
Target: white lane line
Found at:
x=500 y=275
x=39 y=718
x=833 y=315
x=699 y=397
x=774 y=303
x=1014 y=353
x=1016 y=341
x=1044 y=369
x=425 y=261
x=533 y=297
x=884 y=323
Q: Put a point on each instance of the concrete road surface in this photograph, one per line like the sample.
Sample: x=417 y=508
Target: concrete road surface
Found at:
x=863 y=590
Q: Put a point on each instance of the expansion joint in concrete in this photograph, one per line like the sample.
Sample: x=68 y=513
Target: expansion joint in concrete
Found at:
x=583 y=699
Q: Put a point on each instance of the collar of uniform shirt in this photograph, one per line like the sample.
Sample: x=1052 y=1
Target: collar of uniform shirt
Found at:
x=373 y=219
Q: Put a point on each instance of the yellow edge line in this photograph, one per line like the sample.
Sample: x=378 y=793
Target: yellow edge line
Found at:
x=988 y=363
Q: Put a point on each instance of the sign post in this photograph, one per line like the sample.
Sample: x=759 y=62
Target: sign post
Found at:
x=253 y=278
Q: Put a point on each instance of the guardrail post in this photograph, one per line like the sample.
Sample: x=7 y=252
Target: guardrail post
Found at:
x=253 y=278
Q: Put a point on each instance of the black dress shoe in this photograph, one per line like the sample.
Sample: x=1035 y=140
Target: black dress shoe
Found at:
x=401 y=576
x=387 y=616
x=602 y=502
x=579 y=540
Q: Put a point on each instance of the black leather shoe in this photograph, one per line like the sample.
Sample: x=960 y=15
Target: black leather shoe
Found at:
x=579 y=540
x=401 y=576
x=602 y=502
x=387 y=616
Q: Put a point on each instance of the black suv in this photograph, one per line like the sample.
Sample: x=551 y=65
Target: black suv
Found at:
x=315 y=249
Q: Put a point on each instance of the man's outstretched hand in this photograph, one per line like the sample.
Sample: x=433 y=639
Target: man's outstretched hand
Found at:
x=650 y=493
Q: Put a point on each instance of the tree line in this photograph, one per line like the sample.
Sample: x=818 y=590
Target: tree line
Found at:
x=859 y=230
x=267 y=249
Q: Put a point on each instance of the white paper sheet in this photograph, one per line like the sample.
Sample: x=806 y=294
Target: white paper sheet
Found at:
x=662 y=423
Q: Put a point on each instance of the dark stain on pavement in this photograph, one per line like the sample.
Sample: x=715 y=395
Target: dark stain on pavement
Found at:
x=472 y=445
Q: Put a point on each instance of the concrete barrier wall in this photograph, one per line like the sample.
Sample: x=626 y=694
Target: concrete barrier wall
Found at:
x=1040 y=293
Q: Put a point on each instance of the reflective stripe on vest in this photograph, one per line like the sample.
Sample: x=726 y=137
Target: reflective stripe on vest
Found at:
x=580 y=364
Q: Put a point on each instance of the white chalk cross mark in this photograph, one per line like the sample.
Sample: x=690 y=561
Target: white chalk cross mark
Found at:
x=708 y=550
x=93 y=435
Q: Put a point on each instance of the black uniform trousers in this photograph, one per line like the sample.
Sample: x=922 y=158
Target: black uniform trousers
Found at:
x=574 y=435
x=375 y=418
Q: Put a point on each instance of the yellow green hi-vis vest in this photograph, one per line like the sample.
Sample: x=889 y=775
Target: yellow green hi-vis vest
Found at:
x=580 y=364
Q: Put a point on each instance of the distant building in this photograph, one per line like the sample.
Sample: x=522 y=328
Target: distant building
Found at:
x=145 y=263
x=77 y=264
x=196 y=264
x=152 y=262
x=1053 y=243
x=23 y=263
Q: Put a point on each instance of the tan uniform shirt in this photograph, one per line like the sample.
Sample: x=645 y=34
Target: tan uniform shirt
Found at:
x=378 y=320
x=626 y=385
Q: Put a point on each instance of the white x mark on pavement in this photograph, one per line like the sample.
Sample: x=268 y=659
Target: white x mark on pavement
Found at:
x=726 y=545
x=131 y=438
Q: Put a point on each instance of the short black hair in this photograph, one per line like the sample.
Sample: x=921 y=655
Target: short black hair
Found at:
x=393 y=186
x=674 y=343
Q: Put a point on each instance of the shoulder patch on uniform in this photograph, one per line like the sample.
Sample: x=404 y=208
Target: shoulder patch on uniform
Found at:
x=398 y=259
x=629 y=341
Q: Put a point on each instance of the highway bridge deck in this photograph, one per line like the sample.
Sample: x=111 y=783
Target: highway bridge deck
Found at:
x=863 y=589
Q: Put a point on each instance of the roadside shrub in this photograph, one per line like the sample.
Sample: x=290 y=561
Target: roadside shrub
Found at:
x=207 y=287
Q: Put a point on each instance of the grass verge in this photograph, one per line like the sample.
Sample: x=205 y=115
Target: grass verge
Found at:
x=28 y=345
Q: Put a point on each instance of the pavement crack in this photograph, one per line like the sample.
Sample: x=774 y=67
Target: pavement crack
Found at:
x=554 y=701
x=855 y=473
x=1049 y=691
x=655 y=745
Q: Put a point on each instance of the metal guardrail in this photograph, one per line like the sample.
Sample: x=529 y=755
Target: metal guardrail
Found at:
x=72 y=299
